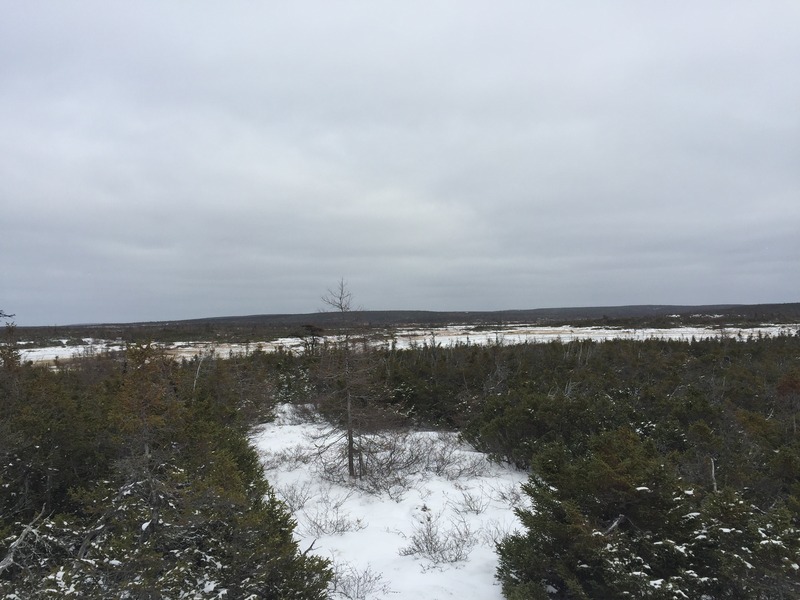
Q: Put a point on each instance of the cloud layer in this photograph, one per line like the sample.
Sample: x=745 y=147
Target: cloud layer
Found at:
x=165 y=161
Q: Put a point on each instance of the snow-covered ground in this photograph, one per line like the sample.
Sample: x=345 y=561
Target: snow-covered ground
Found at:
x=517 y=334
x=431 y=538
x=407 y=337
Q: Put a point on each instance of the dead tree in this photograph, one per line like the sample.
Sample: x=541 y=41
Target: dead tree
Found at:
x=339 y=300
x=351 y=395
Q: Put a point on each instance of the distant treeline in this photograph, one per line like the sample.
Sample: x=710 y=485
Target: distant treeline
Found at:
x=267 y=327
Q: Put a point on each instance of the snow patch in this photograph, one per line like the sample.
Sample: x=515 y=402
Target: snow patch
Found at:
x=436 y=539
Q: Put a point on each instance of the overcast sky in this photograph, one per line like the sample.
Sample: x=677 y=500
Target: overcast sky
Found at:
x=169 y=160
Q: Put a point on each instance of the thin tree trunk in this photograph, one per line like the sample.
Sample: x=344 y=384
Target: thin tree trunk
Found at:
x=351 y=463
x=617 y=522
x=713 y=474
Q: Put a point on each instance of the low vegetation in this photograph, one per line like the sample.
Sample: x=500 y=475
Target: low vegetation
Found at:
x=132 y=477
x=659 y=469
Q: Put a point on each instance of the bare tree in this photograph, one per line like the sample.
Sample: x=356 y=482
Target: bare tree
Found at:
x=339 y=299
x=351 y=394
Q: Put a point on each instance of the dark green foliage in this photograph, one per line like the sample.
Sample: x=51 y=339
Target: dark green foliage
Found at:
x=678 y=477
x=661 y=468
x=134 y=478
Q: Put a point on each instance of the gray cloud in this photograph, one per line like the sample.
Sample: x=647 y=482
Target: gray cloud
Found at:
x=163 y=161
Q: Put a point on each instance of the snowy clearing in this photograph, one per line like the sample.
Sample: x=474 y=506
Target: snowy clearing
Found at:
x=432 y=537
x=409 y=337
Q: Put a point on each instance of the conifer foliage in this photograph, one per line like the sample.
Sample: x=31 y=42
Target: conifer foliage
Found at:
x=674 y=475
x=131 y=477
x=659 y=469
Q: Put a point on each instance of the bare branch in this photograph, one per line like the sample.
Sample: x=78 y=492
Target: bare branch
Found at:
x=339 y=299
x=9 y=558
x=310 y=548
x=617 y=522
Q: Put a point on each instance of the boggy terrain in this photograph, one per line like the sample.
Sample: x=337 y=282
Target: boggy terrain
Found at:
x=656 y=468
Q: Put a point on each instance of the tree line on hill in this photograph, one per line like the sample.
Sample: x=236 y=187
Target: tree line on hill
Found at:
x=255 y=328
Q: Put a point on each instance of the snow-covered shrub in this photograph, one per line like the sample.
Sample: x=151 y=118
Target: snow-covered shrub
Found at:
x=438 y=543
x=470 y=501
x=289 y=458
x=494 y=531
x=449 y=457
x=295 y=495
x=327 y=516
x=616 y=522
x=353 y=583
x=508 y=494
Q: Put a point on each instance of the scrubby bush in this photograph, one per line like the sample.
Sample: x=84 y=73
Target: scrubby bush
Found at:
x=132 y=477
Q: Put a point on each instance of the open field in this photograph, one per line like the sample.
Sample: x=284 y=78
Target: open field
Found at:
x=407 y=337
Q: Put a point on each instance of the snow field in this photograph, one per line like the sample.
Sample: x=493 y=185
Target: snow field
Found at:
x=433 y=537
x=409 y=337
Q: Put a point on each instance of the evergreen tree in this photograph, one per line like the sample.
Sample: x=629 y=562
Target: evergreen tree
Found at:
x=127 y=478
